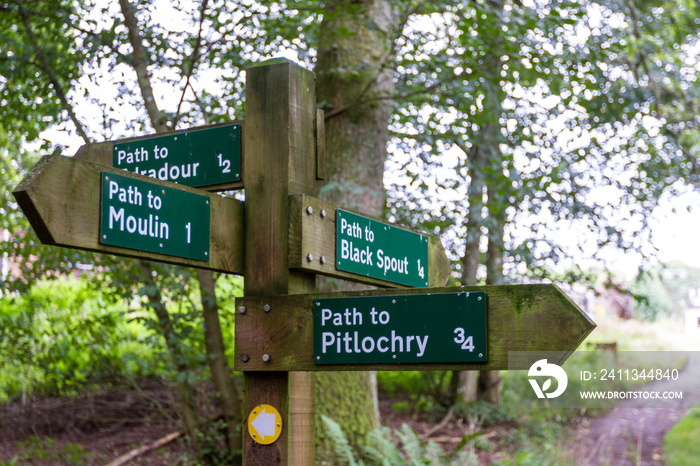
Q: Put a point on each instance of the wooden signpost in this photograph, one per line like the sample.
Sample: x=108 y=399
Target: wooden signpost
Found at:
x=65 y=202
x=280 y=240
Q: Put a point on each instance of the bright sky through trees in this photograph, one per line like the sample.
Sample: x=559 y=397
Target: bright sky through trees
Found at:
x=672 y=223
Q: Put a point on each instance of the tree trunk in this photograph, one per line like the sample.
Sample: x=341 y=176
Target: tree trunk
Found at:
x=465 y=382
x=184 y=388
x=216 y=356
x=353 y=85
x=490 y=384
x=486 y=154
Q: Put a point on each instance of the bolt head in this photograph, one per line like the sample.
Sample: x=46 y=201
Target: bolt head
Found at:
x=242 y=309
x=266 y=357
x=323 y=213
x=323 y=259
x=309 y=210
x=309 y=257
x=245 y=358
x=266 y=308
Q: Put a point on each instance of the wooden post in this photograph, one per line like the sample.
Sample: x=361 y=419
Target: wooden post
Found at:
x=280 y=161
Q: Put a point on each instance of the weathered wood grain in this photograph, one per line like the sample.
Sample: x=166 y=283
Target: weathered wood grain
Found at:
x=280 y=161
x=314 y=234
x=61 y=198
x=519 y=318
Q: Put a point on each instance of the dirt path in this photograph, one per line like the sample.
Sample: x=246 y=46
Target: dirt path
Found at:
x=630 y=435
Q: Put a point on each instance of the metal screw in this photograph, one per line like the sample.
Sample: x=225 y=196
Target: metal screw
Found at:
x=323 y=213
x=163 y=191
x=107 y=178
x=479 y=298
x=309 y=210
x=245 y=358
x=266 y=357
x=393 y=301
x=481 y=355
x=266 y=308
x=309 y=257
x=242 y=309
x=323 y=259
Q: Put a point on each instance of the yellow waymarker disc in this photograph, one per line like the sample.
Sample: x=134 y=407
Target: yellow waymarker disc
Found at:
x=264 y=424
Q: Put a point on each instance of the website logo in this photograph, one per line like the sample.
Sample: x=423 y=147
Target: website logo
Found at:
x=542 y=368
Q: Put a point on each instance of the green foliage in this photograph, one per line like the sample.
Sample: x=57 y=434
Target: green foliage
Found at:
x=514 y=101
x=45 y=451
x=341 y=446
x=214 y=451
x=432 y=384
x=62 y=335
x=534 y=444
x=28 y=104
x=682 y=442
x=664 y=290
x=387 y=448
x=482 y=413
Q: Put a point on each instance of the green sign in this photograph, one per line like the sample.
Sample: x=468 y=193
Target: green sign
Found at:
x=192 y=158
x=441 y=327
x=136 y=214
x=367 y=247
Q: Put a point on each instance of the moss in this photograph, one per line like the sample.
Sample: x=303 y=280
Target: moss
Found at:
x=345 y=397
x=521 y=298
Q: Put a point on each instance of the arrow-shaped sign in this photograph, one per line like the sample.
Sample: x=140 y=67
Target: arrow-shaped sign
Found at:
x=519 y=318
x=83 y=205
x=328 y=240
x=264 y=423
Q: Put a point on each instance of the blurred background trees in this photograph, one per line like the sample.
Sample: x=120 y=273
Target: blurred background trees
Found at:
x=535 y=137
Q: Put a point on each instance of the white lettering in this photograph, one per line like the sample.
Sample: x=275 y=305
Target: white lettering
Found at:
x=421 y=345
x=115 y=216
x=327 y=340
x=325 y=315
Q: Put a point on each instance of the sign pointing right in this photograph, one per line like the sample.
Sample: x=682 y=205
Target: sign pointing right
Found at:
x=522 y=318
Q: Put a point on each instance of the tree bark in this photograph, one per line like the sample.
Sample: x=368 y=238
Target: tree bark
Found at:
x=218 y=364
x=184 y=388
x=139 y=62
x=354 y=68
x=464 y=386
x=50 y=72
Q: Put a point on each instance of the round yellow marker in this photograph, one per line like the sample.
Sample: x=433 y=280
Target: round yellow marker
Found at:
x=264 y=424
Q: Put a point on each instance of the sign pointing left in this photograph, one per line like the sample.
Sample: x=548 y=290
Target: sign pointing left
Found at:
x=264 y=424
x=64 y=200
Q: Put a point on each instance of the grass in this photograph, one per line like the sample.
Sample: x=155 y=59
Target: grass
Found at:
x=682 y=442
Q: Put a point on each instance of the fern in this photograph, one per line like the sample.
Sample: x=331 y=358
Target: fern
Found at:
x=341 y=446
x=387 y=448
x=412 y=445
x=381 y=448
